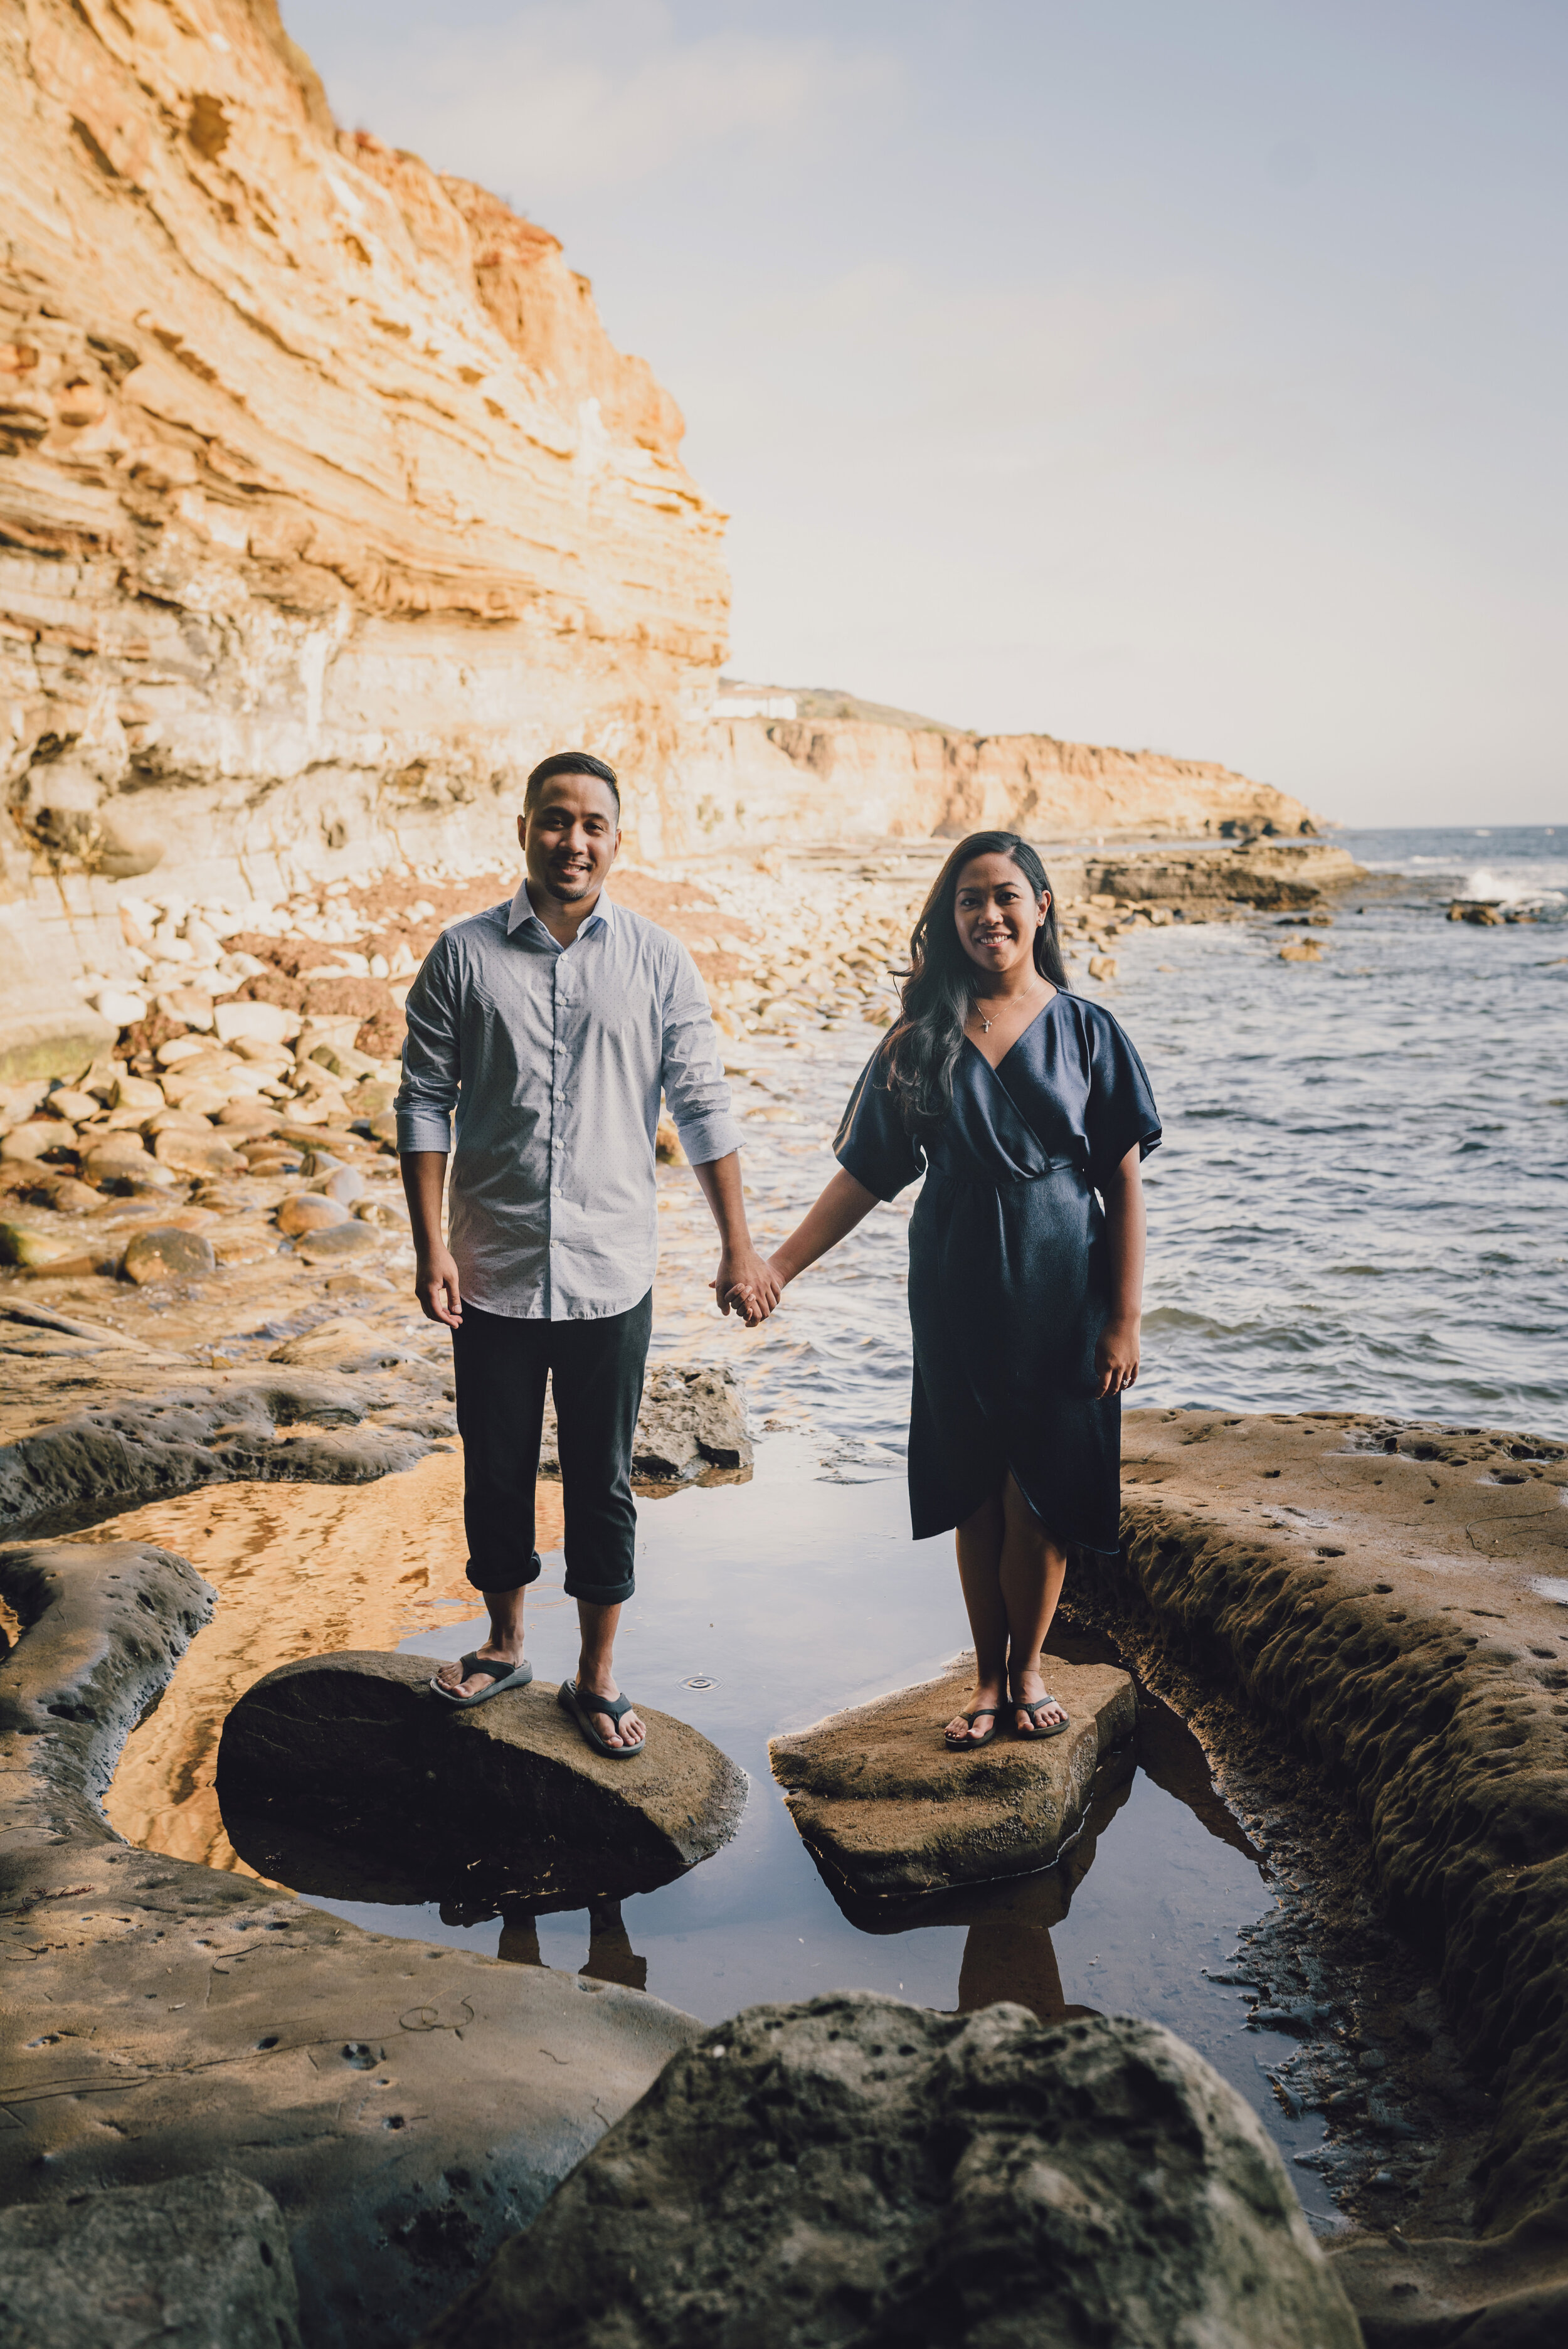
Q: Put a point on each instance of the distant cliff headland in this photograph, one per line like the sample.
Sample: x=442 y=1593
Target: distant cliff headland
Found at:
x=326 y=505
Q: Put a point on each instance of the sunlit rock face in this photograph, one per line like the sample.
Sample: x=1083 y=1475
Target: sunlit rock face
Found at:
x=327 y=506
x=325 y=503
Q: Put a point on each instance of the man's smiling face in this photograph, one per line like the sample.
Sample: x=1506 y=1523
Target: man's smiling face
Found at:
x=569 y=838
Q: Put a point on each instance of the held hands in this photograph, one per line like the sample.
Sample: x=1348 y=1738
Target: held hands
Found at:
x=1116 y=1358
x=748 y=1285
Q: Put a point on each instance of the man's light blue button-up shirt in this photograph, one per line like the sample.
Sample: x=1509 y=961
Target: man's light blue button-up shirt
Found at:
x=553 y=1059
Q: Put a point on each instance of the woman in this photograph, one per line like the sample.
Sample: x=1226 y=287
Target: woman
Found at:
x=1022 y=1101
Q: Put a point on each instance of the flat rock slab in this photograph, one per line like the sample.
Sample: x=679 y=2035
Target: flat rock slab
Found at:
x=855 y=2171
x=407 y=2107
x=199 y=2263
x=355 y=1748
x=889 y=1811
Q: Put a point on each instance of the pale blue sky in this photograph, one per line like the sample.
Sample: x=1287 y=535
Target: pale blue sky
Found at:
x=1180 y=373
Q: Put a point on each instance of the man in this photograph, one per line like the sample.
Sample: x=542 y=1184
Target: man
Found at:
x=553 y=1024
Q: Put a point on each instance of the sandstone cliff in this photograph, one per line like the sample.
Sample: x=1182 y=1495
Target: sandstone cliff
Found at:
x=325 y=503
x=830 y=776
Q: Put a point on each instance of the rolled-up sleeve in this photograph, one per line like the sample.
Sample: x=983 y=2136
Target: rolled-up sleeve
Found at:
x=432 y=1054
x=691 y=1072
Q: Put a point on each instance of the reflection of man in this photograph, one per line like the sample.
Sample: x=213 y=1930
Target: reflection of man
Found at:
x=552 y=1024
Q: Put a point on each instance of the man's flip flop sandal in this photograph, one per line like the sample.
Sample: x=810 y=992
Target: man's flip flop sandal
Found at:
x=972 y=1744
x=1040 y=1704
x=501 y=1675
x=616 y=1707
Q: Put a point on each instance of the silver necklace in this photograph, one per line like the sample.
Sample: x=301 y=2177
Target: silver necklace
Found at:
x=979 y=1015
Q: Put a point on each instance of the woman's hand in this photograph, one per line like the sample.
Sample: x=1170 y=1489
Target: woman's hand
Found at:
x=1116 y=1358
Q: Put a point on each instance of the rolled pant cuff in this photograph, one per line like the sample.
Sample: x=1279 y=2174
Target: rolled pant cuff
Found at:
x=499 y=1579
x=599 y=1594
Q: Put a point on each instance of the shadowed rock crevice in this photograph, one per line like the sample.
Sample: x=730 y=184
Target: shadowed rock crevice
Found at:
x=1381 y=1594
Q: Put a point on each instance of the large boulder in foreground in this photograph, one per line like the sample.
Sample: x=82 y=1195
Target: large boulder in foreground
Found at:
x=357 y=1749
x=857 y=2171
x=889 y=1811
x=192 y=2260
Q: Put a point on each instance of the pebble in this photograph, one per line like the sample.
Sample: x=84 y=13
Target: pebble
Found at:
x=197 y=1154
x=32 y=1140
x=309 y=1211
x=166 y=1253
x=324 y=1244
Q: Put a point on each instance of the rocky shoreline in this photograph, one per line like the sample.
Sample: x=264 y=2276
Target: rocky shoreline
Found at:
x=237 y=1114
x=1381 y=1593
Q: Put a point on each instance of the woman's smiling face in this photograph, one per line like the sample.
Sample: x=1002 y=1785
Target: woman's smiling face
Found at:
x=996 y=914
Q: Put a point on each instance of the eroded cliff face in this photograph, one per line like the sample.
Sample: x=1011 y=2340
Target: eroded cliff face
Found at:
x=835 y=778
x=325 y=503
x=327 y=506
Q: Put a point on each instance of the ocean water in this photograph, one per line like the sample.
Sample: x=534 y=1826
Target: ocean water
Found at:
x=1362 y=1197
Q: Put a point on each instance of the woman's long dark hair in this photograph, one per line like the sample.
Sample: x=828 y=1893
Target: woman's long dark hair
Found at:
x=939 y=986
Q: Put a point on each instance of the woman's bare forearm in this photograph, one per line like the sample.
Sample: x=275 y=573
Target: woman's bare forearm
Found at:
x=1126 y=1232
x=843 y=1204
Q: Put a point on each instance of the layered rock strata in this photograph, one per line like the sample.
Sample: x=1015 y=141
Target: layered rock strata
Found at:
x=1391 y=1597
x=829 y=778
x=889 y=1811
x=856 y=2169
x=407 y=2107
x=326 y=503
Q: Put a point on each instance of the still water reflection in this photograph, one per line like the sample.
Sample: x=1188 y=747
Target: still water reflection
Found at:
x=792 y=1596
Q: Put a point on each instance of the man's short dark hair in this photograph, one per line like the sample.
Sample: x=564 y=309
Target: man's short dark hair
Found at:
x=569 y=762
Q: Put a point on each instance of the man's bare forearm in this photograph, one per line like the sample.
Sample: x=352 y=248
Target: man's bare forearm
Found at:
x=424 y=1176
x=436 y=1283
x=742 y=1277
x=719 y=1182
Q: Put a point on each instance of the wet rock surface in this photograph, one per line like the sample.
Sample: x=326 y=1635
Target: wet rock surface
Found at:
x=356 y=1750
x=190 y=2261
x=1362 y=1619
x=854 y=2169
x=889 y=1810
x=133 y=1397
x=407 y=2107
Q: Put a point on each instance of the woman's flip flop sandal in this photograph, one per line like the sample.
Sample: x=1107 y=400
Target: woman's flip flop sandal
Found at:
x=501 y=1675
x=616 y=1707
x=972 y=1744
x=1033 y=1707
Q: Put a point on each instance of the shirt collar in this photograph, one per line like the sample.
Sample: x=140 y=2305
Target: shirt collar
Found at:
x=522 y=911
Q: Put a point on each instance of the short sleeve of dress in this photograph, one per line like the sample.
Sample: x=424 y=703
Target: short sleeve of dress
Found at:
x=870 y=1143
x=1119 y=1114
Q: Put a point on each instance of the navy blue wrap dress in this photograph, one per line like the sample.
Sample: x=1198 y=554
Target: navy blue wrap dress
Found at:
x=1009 y=1273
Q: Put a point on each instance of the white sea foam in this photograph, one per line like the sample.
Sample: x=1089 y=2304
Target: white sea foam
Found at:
x=1518 y=883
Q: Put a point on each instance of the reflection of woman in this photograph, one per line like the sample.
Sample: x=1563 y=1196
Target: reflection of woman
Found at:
x=1022 y=1101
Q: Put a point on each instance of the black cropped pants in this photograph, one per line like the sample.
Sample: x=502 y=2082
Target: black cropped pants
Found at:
x=595 y=1369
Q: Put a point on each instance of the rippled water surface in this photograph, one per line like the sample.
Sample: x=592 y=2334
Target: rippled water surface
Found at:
x=1361 y=1200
